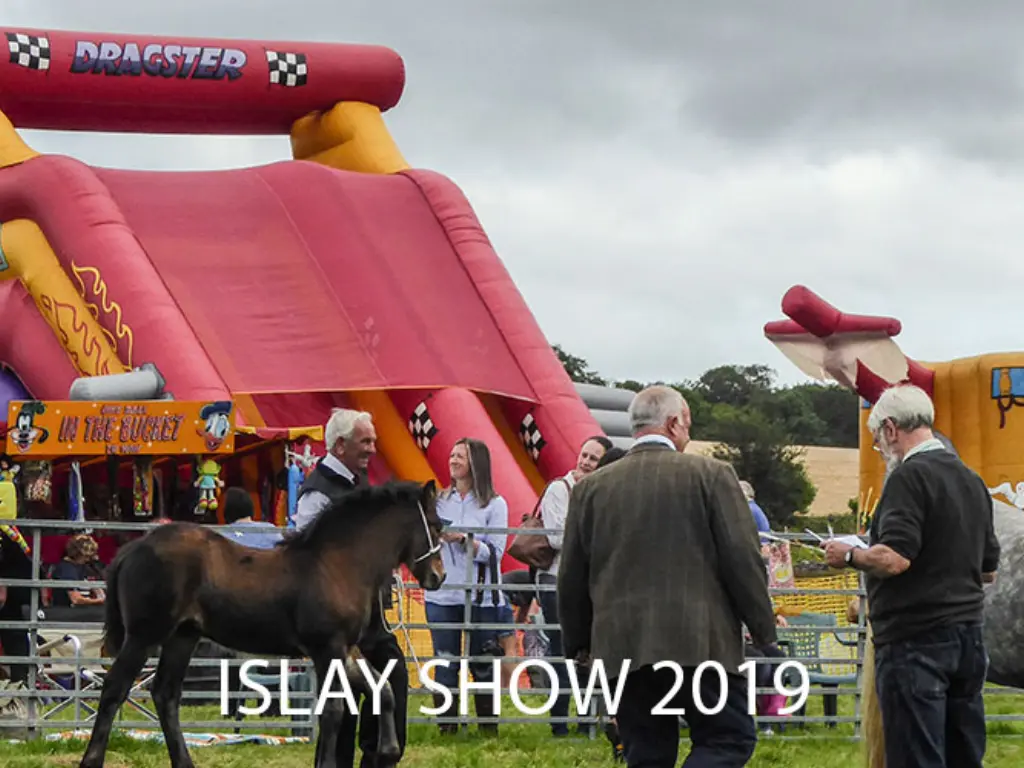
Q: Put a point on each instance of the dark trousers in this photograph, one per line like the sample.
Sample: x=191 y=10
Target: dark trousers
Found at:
x=377 y=650
x=448 y=642
x=15 y=643
x=930 y=696
x=448 y=645
x=723 y=740
x=549 y=605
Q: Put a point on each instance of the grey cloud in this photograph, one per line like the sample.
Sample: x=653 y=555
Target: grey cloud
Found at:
x=656 y=175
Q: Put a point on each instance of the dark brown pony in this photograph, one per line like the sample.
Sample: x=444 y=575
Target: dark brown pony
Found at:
x=182 y=582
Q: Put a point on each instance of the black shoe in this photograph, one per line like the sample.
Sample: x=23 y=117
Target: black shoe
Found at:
x=446 y=728
x=485 y=708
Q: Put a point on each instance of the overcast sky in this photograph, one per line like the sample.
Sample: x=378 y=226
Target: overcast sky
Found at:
x=656 y=175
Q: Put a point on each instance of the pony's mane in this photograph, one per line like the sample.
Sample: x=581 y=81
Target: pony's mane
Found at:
x=339 y=520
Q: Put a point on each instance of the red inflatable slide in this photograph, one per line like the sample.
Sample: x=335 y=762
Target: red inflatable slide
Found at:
x=339 y=275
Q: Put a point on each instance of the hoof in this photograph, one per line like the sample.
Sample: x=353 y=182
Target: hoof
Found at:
x=388 y=755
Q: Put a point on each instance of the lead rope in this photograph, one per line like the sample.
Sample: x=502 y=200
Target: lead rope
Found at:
x=398 y=583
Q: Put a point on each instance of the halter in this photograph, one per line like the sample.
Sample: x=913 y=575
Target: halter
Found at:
x=399 y=585
x=435 y=547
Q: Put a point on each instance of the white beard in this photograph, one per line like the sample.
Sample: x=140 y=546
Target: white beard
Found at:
x=889 y=457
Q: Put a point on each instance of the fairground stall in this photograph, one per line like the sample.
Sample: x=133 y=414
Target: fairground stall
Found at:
x=145 y=460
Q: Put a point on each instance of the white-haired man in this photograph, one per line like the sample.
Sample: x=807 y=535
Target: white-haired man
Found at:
x=351 y=442
x=933 y=545
x=661 y=562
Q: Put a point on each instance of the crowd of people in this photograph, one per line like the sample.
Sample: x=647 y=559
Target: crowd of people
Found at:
x=657 y=557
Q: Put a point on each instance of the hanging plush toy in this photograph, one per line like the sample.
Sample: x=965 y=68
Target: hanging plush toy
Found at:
x=8 y=500
x=38 y=482
x=208 y=482
x=299 y=466
x=8 y=469
x=142 y=487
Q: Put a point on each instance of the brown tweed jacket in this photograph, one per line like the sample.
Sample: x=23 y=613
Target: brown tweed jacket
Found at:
x=661 y=561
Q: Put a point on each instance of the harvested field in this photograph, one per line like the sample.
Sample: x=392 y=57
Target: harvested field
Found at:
x=834 y=472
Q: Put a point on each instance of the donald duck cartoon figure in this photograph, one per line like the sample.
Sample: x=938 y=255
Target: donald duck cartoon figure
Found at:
x=216 y=423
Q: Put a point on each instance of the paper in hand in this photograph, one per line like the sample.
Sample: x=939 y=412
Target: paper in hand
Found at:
x=853 y=541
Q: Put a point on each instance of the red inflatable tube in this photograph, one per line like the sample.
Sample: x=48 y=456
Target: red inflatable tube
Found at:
x=454 y=414
x=562 y=418
x=30 y=347
x=81 y=222
x=142 y=84
x=822 y=319
x=809 y=313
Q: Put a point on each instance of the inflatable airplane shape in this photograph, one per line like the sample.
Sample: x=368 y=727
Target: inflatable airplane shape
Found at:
x=975 y=398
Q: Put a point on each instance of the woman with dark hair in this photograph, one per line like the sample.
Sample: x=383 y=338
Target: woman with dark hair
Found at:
x=470 y=501
x=611 y=455
x=554 y=505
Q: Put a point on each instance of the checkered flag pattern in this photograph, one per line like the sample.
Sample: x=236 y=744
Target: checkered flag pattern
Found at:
x=530 y=434
x=421 y=427
x=287 y=69
x=29 y=51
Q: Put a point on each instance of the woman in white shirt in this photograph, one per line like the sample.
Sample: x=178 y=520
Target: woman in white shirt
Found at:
x=553 y=508
x=470 y=501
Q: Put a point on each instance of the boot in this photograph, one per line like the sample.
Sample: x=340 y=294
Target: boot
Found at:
x=485 y=708
x=446 y=728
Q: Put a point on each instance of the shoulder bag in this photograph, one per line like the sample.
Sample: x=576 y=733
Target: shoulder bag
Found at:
x=533 y=549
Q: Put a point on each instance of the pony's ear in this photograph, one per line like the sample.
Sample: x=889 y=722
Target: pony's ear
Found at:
x=429 y=490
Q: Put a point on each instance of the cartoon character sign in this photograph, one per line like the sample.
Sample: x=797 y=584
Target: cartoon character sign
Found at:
x=208 y=482
x=217 y=423
x=25 y=433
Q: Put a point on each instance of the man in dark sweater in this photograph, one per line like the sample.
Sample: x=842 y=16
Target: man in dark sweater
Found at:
x=351 y=441
x=933 y=547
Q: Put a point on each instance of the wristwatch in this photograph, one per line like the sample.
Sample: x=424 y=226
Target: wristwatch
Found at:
x=848 y=557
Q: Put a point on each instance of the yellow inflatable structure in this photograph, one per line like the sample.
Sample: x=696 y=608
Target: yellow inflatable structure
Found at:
x=975 y=397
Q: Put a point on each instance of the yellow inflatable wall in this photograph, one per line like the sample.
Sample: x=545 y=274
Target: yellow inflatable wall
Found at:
x=976 y=401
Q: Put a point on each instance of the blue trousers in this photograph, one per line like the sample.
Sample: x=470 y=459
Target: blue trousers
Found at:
x=448 y=642
x=930 y=696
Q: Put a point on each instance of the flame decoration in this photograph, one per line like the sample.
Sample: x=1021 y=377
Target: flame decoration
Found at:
x=84 y=349
x=99 y=291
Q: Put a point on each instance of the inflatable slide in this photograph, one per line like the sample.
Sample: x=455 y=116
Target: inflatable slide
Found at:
x=339 y=276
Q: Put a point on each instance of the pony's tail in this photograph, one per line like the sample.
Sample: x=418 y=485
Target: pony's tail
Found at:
x=871 y=723
x=113 y=625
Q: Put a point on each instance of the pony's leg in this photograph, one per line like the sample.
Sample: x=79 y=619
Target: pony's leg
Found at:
x=387 y=735
x=330 y=716
x=116 y=686
x=170 y=674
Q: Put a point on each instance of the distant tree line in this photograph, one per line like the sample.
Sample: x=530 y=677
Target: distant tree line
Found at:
x=757 y=425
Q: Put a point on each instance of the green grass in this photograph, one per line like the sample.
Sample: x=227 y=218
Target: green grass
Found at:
x=521 y=746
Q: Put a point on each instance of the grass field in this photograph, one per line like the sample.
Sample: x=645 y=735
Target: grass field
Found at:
x=517 y=746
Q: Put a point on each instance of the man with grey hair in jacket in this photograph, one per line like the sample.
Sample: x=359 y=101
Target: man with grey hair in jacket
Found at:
x=661 y=563
x=933 y=546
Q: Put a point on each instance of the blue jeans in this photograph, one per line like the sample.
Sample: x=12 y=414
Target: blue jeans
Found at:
x=505 y=616
x=930 y=695
x=448 y=642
